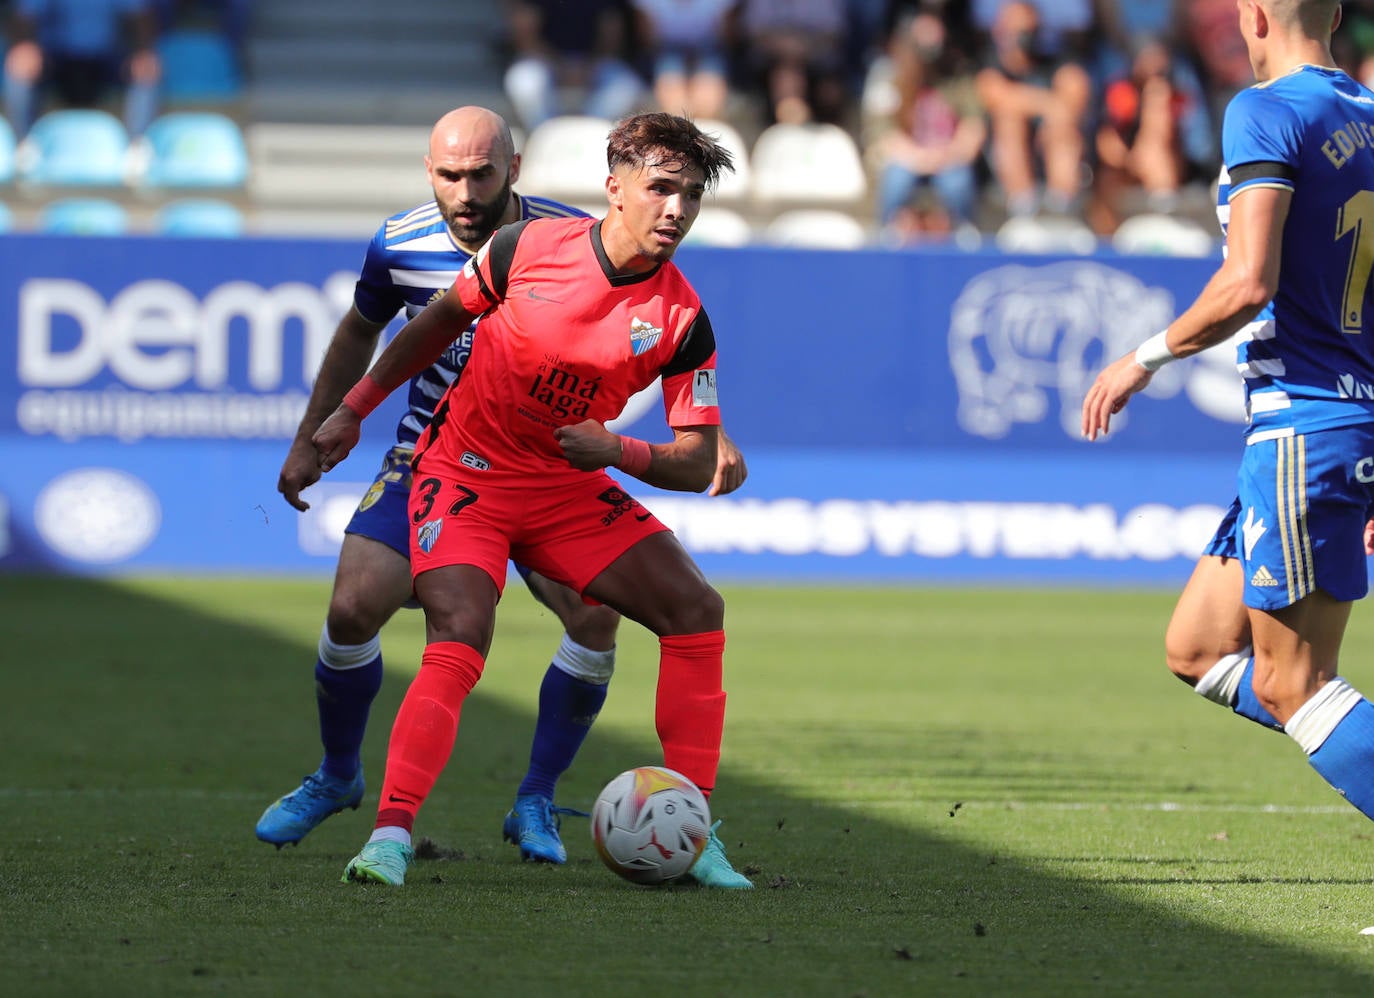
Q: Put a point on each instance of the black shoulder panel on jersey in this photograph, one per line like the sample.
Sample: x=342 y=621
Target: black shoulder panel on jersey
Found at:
x=1250 y=171
x=501 y=253
x=696 y=347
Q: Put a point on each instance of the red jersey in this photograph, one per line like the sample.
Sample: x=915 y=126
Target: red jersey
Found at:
x=562 y=338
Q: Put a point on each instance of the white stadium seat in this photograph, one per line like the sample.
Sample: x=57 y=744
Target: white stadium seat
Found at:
x=720 y=227
x=734 y=185
x=1029 y=234
x=816 y=228
x=565 y=158
x=1157 y=234
x=812 y=163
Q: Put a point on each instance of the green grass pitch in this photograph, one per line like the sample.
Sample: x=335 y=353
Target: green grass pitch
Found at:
x=936 y=791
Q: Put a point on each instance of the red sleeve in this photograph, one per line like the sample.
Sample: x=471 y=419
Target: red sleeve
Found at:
x=689 y=397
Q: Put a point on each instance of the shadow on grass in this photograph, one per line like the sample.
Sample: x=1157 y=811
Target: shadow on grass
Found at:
x=144 y=739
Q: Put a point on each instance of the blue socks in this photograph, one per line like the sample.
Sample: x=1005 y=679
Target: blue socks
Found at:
x=1247 y=705
x=1229 y=683
x=344 y=698
x=1335 y=727
x=1336 y=730
x=567 y=708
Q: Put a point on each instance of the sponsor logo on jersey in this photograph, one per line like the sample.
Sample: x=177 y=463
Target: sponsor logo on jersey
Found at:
x=621 y=502
x=562 y=392
x=643 y=336
x=428 y=534
x=471 y=460
x=1263 y=577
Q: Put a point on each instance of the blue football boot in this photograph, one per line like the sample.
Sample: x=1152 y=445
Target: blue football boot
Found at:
x=293 y=817
x=533 y=825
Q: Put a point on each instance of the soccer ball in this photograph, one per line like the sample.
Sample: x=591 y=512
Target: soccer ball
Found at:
x=650 y=824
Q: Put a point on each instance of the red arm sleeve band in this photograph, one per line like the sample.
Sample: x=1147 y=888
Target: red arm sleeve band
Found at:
x=634 y=456
x=365 y=396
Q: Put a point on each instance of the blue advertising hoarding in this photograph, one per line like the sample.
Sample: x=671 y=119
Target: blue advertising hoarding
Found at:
x=906 y=416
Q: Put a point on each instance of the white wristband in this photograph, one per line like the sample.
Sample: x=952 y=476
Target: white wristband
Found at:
x=1154 y=353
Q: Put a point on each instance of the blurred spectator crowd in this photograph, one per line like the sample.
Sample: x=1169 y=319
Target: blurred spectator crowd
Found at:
x=966 y=115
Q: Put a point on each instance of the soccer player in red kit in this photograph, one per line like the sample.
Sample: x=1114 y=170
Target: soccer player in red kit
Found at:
x=577 y=316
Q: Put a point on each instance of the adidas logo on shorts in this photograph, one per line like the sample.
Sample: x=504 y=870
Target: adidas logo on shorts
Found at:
x=1263 y=578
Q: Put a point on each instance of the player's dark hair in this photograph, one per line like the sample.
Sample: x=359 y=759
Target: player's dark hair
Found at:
x=633 y=140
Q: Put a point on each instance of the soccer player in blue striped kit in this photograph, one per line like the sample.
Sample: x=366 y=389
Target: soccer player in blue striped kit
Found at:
x=1259 y=625
x=414 y=258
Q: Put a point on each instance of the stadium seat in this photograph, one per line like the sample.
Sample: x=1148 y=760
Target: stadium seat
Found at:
x=198 y=66
x=816 y=228
x=719 y=227
x=733 y=186
x=74 y=148
x=199 y=217
x=565 y=158
x=190 y=149
x=7 y=145
x=1031 y=234
x=83 y=217
x=811 y=163
x=1157 y=234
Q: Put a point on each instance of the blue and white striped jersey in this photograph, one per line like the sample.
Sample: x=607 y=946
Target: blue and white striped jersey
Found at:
x=411 y=261
x=1308 y=358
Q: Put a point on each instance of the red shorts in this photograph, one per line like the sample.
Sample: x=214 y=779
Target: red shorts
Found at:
x=567 y=529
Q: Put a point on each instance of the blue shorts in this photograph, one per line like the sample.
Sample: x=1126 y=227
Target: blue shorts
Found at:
x=1297 y=522
x=381 y=515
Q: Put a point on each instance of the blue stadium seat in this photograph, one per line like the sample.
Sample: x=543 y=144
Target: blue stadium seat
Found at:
x=191 y=149
x=74 y=148
x=199 y=217
x=198 y=66
x=7 y=145
x=83 y=217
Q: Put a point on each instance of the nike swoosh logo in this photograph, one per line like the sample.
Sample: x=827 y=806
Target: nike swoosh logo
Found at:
x=538 y=297
x=641 y=517
x=399 y=800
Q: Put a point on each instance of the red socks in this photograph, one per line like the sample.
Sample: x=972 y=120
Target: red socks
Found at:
x=690 y=709
x=690 y=716
x=426 y=726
